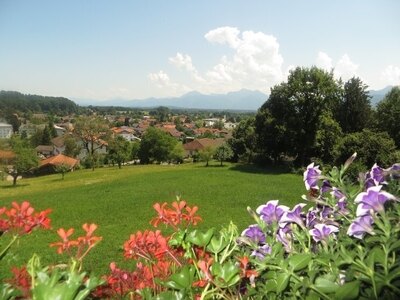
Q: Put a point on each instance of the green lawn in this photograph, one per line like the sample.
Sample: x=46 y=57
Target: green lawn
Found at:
x=120 y=202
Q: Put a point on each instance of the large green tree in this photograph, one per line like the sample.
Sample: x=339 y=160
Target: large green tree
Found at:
x=25 y=161
x=156 y=146
x=388 y=114
x=288 y=122
x=243 y=140
x=92 y=131
x=223 y=153
x=371 y=147
x=354 y=112
x=119 y=150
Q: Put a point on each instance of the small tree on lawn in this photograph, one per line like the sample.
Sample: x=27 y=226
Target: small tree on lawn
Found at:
x=62 y=169
x=206 y=154
x=26 y=159
x=119 y=150
x=223 y=152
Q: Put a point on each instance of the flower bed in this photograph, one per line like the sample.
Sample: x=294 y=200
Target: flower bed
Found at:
x=341 y=243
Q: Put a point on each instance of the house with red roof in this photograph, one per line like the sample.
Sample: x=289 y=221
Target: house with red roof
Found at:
x=48 y=165
x=196 y=145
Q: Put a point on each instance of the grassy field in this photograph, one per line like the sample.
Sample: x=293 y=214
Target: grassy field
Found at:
x=120 y=202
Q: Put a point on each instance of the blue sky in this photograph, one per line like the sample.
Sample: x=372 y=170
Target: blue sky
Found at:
x=136 y=49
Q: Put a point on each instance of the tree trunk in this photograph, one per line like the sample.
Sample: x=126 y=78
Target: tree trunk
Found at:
x=15 y=179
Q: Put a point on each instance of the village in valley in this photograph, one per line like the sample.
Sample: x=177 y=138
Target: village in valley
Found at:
x=60 y=147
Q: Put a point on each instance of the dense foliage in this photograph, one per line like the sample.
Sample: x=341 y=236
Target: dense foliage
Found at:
x=17 y=102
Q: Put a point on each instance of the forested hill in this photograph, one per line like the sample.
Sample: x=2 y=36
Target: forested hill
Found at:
x=18 y=102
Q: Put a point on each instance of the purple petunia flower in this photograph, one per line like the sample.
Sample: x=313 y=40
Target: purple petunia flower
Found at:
x=326 y=211
x=321 y=232
x=311 y=217
x=254 y=233
x=360 y=226
x=394 y=171
x=326 y=186
x=377 y=174
x=271 y=212
x=341 y=206
x=284 y=236
x=311 y=176
x=293 y=216
x=262 y=251
x=373 y=199
x=337 y=193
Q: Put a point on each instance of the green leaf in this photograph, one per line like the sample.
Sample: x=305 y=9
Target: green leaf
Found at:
x=348 y=291
x=226 y=274
x=181 y=280
x=200 y=238
x=325 y=285
x=216 y=245
x=282 y=281
x=271 y=285
x=299 y=261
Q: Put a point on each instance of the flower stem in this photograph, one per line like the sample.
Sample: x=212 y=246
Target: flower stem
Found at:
x=2 y=253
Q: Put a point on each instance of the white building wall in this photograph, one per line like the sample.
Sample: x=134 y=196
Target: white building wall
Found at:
x=6 y=130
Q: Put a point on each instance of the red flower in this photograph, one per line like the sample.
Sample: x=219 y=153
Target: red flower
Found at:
x=179 y=213
x=89 y=239
x=65 y=244
x=148 y=245
x=21 y=281
x=22 y=219
x=245 y=271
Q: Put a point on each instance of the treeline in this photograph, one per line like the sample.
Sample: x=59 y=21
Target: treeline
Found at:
x=18 y=102
x=314 y=117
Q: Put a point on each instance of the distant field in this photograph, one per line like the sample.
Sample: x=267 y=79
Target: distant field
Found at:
x=120 y=202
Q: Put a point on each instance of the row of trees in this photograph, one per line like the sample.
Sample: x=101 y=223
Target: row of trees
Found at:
x=312 y=116
x=15 y=101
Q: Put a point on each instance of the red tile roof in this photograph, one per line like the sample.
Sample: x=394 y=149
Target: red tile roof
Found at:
x=4 y=154
x=199 y=144
x=59 y=160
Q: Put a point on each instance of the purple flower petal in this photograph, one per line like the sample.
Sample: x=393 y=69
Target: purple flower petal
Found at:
x=311 y=176
x=271 y=212
x=360 y=226
x=293 y=216
x=373 y=199
x=262 y=251
x=254 y=233
x=321 y=232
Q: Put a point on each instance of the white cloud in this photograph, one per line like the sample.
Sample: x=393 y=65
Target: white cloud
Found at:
x=323 y=61
x=391 y=75
x=344 y=68
x=184 y=61
x=255 y=64
x=222 y=35
x=162 y=81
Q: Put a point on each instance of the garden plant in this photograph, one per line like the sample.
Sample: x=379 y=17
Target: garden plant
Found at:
x=342 y=242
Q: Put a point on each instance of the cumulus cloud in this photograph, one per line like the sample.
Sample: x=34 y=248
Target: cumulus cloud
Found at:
x=344 y=68
x=224 y=35
x=256 y=63
x=184 y=61
x=391 y=75
x=162 y=81
x=323 y=61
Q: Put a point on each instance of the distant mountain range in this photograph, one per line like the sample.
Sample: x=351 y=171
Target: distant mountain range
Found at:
x=240 y=100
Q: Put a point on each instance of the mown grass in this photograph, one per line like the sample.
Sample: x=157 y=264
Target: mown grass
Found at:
x=120 y=202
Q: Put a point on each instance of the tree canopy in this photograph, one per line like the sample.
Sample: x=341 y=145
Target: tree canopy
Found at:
x=156 y=146
x=288 y=122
